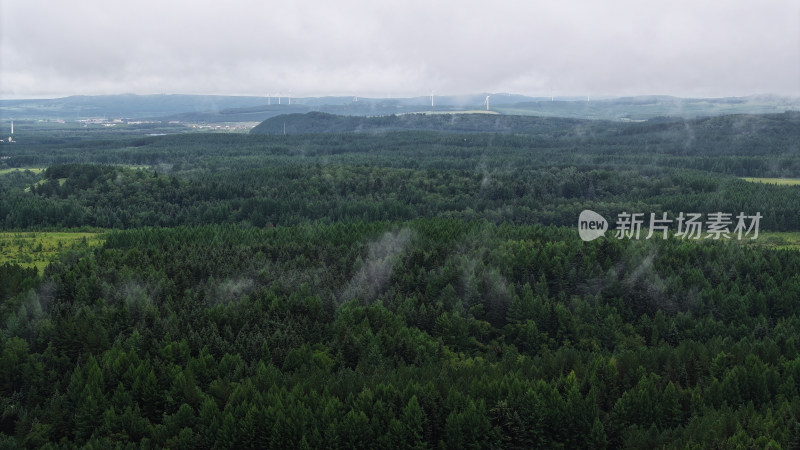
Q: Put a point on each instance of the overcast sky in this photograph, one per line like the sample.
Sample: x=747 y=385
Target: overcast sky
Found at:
x=399 y=48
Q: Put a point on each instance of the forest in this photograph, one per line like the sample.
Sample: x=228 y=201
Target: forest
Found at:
x=400 y=288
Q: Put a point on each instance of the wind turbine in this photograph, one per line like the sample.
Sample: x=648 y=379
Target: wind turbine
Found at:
x=431 y=99
x=487 y=102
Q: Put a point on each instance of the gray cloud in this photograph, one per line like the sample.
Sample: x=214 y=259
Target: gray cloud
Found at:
x=375 y=48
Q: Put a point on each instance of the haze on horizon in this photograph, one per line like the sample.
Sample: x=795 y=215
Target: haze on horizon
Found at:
x=314 y=48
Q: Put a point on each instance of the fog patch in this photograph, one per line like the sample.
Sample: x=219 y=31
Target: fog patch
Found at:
x=136 y=298
x=231 y=289
x=636 y=272
x=374 y=272
x=25 y=320
x=483 y=168
x=646 y=280
x=690 y=136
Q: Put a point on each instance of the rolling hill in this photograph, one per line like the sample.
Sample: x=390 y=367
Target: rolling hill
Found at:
x=216 y=108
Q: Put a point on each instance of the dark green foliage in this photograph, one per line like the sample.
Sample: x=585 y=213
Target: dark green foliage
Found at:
x=546 y=177
x=15 y=279
x=235 y=327
x=111 y=197
x=407 y=290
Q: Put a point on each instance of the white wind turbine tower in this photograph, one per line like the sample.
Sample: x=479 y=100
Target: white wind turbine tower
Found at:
x=487 y=102
x=431 y=99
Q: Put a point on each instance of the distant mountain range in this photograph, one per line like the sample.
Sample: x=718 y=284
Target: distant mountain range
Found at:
x=215 y=108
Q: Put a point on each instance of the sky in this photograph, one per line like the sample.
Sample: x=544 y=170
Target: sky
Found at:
x=377 y=48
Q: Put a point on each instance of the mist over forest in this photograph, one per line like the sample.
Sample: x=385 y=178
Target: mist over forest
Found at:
x=214 y=272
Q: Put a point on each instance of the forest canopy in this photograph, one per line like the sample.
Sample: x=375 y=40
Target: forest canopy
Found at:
x=423 y=288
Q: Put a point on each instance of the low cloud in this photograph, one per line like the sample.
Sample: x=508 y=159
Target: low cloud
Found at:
x=399 y=49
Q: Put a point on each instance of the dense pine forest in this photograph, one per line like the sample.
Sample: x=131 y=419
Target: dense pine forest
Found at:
x=420 y=287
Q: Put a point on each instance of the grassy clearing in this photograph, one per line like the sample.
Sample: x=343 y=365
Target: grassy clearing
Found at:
x=776 y=240
x=38 y=249
x=134 y=167
x=42 y=169
x=779 y=181
x=22 y=169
